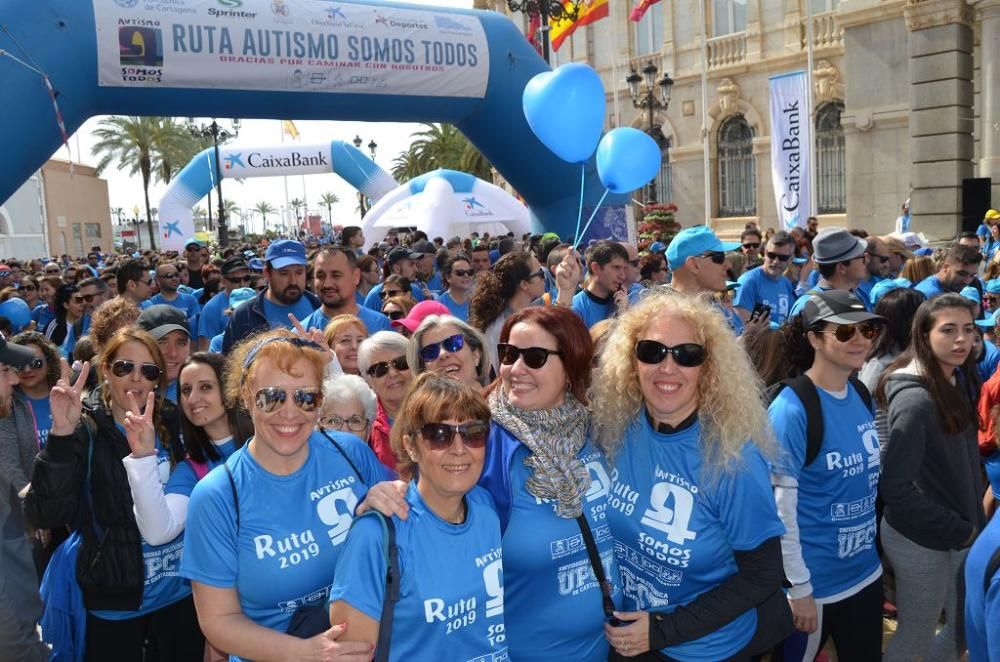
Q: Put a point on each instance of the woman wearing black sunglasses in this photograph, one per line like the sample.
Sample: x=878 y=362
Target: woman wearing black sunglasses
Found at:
x=131 y=587
x=382 y=363
x=678 y=412
x=451 y=604
x=457 y=278
x=264 y=530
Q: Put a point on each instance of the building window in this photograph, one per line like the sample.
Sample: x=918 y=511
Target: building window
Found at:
x=92 y=230
x=649 y=31
x=77 y=239
x=831 y=191
x=737 y=174
x=728 y=17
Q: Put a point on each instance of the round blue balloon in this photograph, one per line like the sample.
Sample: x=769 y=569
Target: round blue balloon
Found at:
x=627 y=159
x=565 y=110
x=17 y=311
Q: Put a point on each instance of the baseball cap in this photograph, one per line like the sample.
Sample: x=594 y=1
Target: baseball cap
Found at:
x=657 y=247
x=836 y=306
x=834 y=245
x=911 y=240
x=991 y=214
x=972 y=294
x=424 y=247
x=799 y=260
x=193 y=242
x=161 y=319
x=284 y=253
x=992 y=286
x=402 y=253
x=883 y=287
x=419 y=312
x=256 y=264
x=241 y=295
x=234 y=264
x=14 y=355
x=989 y=322
x=693 y=241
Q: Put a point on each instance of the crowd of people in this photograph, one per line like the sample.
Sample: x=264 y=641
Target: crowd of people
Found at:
x=503 y=448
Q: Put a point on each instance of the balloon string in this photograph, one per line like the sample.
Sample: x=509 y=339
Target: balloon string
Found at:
x=579 y=239
x=579 y=213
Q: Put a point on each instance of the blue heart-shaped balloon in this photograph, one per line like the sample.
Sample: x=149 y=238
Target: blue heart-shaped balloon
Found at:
x=565 y=110
x=627 y=159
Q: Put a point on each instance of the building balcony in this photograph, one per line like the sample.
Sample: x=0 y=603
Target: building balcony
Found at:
x=827 y=31
x=727 y=51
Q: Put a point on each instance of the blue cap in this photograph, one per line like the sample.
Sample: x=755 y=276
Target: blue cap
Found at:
x=193 y=242
x=799 y=260
x=256 y=264
x=924 y=252
x=971 y=293
x=992 y=286
x=693 y=241
x=657 y=247
x=241 y=295
x=284 y=253
x=880 y=288
x=987 y=323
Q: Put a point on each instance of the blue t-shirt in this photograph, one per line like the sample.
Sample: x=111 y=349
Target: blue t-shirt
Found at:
x=163 y=585
x=375 y=321
x=982 y=610
x=990 y=248
x=434 y=283
x=930 y=286
x=676 y=532
x=374 y=299
x=215 y=344
x=185 y=302
x=42 y=410
x=277 y=314
x=292 y=528
x=813 y=279
x=183 y=480
x=459 y=310
x=864 y=290
x=757 y=287
x=836 y=494
x=554 y=609
x=211 y=321
x=171 y=392
x=988 y=364
x=42 y=314
x=451 y=587
x=591 y=309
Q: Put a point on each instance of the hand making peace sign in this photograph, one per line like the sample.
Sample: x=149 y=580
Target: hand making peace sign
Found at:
x=65 y=399
x=139 y=427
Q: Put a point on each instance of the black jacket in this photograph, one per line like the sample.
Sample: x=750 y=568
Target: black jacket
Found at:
x=931 y=483
x=110 y=568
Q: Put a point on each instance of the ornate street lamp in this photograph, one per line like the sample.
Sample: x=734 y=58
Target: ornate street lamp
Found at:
x=545 y=10
x=372 y=146
x=218 y=135
x=650 y=95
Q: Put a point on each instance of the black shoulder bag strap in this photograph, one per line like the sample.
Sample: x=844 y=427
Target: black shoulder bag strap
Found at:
x=392 y=582
x=346 y=456
x=596 y=565
x=991 y=569
x=236 y=499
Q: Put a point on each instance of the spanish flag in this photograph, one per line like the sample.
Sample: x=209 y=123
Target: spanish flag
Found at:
x=640 y=9
x=288 y=126
x=590 y=11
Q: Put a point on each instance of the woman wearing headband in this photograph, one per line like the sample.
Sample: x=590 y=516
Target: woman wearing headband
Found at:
x=131 y=586
x=264 y=531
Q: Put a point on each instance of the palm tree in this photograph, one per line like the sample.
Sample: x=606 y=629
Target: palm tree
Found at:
x=264 y=208
x=172 y=147
x=232 y=209
x=440 y=146
x=131 y=143
x=328 y=200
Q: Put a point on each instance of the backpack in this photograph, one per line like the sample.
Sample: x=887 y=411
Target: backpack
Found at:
x=804 y=388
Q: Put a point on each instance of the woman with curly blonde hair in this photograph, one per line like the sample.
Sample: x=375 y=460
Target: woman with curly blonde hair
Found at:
x=677 y=410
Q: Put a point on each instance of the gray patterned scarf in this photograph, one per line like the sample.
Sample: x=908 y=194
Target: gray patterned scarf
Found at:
x=554 y=437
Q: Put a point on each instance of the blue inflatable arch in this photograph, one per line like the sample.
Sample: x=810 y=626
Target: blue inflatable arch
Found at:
x=464 y=67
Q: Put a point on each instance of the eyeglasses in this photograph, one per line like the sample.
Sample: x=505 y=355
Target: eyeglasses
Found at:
x=844 y=332
x=239 y=279
x=192 y=248
x=451 y=344
x=123 y=367
x=634 y=263
x=270 y=398
x=771 y=255
x=354 y=423
x=28 y=288
x=750 y=246
x=462 y=273
x=388 y=294
x=52 y=271
x=381 y=369
x=77 y=299
x=538 y=274
x=883 y=258
x=395 y=315
x=534 y=357
x=717 y=257
x=149 y=282
x=172 y=274
x=34 y=364
x=439 y=436
x=990 y=299
x=686 y=355
x=89 y=297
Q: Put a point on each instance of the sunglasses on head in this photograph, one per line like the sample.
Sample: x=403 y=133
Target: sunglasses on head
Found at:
x=686 y=355
x=461 y=273
x=717 y=257
x=34 y=364
x=381 y=369
x=451 y=344
x=844 y=332
x=354 y=423
x=270 y=398
x=751 y=245
x=123 y=367
x=771 y=255
x=439 y=436
x=534 y=357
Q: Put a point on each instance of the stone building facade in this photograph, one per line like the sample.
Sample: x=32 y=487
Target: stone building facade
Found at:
x=906 y=102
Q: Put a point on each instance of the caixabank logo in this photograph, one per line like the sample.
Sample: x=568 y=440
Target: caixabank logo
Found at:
x=339 y=16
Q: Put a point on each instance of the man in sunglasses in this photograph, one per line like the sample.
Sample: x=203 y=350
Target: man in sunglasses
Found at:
x=766 y=288
x=605 y=294
x=841 y=261
x=20 y=604
x=169 y=278
x=335 y=279
x=212 y=320
x=751 y=243
x=403 y=261
x=285 y=272
x=192 y=253
x=958 y=270
x=877 y=268
x=898 y=255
